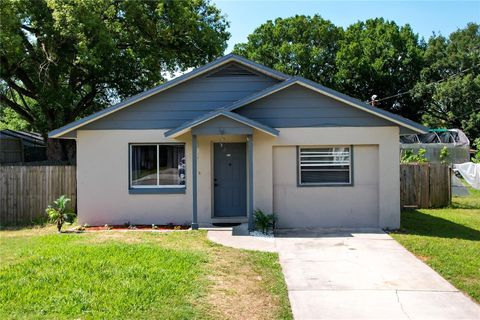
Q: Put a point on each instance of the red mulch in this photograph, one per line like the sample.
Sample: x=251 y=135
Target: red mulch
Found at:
x=137 y=227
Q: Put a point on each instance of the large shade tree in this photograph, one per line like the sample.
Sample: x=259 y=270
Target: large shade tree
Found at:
x=378 y=57
x=62 y=60
x=299 y=45
x=450 y=83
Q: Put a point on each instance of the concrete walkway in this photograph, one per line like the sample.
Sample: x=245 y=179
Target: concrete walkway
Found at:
x=225 y=238
x=358 y=275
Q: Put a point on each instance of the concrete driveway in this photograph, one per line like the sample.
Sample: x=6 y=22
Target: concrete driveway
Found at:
x=364 y=275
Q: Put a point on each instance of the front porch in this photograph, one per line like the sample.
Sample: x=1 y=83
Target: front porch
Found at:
x=222 y=153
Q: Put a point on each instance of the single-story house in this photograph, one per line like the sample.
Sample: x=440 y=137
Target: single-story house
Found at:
x=233 y=136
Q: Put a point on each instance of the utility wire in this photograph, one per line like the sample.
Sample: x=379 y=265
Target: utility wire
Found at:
x=428 y=84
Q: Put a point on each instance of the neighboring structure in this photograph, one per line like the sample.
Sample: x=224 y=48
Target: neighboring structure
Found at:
x=453 y=140
x=233 y=136
x=20 y=146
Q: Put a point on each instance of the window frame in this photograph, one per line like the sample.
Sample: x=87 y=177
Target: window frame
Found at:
x=154 y=189
x=325 y=184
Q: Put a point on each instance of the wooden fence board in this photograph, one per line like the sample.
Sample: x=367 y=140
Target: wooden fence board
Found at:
x=425 y=185
x=25 y=191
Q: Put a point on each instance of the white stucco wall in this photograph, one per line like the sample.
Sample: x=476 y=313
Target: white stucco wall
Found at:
x=102 y=172
x=102 y=182
x=325 y=206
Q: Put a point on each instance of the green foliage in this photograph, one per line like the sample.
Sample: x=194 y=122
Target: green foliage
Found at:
x=452 y=103
x=264 y=221
x=444 y=154
x=409 y=156
x=476 y=156
x=9 y=119
x=62 y=60
x=299 y=45
x=379 y=57
x=58 y=213
x=371 y=57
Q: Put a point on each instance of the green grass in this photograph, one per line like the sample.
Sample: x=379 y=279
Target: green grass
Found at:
x=129 y=275
x=448 y=240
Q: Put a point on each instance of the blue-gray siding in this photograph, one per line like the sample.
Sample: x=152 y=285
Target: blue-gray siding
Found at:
x=221 y=125
x=297 y=106
x=186 y=101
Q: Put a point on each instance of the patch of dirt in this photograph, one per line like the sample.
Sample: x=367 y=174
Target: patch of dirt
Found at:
x=125 y=237
x=237 y=291
x=423 y=258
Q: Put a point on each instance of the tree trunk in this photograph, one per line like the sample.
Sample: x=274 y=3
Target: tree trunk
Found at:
x=59 y=226
x=61 y=150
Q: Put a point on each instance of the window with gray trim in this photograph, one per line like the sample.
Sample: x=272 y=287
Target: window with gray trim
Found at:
x=157 y=166
x=324 y=166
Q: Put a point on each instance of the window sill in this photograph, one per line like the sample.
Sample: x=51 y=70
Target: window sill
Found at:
x=324 y=185
x=156 y=190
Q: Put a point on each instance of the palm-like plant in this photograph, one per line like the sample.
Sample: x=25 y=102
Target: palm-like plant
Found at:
x=57 y=212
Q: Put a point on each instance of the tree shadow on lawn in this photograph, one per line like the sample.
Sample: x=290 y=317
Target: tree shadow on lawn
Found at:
x=418 y=223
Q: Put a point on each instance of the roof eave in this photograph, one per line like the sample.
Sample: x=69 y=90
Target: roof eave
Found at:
x=57 y=133
x=176 y=132
x=416 y=127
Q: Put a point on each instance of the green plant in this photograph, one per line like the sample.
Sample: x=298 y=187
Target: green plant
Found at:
x=476 y=156
x=444 y=154
x=408 y=156
x=57 y=212
x=264 y=221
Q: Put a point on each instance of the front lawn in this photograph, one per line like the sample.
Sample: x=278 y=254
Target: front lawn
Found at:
x=135 y=275
x=448 y=240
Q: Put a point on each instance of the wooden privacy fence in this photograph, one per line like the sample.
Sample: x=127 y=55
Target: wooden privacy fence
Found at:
x=425 y=185
x=25 y=191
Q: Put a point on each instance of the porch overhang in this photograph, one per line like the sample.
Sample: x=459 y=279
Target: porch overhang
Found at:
x=221 y=122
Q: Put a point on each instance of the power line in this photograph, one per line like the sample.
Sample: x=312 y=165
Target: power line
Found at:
x=429 y=84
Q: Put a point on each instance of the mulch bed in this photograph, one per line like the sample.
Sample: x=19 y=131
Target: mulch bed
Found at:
x=137 y=227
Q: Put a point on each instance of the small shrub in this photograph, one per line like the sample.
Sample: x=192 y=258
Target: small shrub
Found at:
x=108 y=227
x=177 y=228
x=444 y=154
x=154 y=227
x=264 y=221
x=57 y=212
x=409 y=156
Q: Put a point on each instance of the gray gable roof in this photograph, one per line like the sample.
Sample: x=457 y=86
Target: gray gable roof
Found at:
x=221 y=112
x=399 y=120
x=170 y=84
x=287 y=81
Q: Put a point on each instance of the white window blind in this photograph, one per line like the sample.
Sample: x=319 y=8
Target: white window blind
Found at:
x=319 y=166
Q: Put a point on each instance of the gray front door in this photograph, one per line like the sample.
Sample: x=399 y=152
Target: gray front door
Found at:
x=230 y=189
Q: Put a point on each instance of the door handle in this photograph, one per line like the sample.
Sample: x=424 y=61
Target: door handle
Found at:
x=215 y=184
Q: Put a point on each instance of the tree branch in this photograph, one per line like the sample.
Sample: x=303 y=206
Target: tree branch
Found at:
x=19 y=73
x=87 y=99
x=19 y=89
x=17 y=108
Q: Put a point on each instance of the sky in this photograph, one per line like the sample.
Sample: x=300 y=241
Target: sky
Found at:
x=425 y=17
